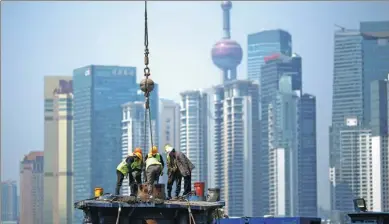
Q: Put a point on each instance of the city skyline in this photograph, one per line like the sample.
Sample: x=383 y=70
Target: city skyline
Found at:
x=239 y=33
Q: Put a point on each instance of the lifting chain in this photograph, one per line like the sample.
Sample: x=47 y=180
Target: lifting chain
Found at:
x=147 y=84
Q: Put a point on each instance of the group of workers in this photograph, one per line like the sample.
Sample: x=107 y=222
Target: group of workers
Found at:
x=152 y=165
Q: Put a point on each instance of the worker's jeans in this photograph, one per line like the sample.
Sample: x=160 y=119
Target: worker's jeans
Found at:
x=187 y=184
x=153 y=172
x=119 y=181
x=174 y=177
x=135 y=179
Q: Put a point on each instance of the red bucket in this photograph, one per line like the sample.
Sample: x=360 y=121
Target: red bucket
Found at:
x=199 y=188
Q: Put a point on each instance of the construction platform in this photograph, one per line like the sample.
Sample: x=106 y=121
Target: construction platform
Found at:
x=111 y=209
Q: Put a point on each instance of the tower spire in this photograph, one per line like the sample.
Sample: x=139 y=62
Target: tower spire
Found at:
x=226 y=7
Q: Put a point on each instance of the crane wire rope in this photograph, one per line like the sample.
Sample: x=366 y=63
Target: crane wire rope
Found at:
x=147 y=85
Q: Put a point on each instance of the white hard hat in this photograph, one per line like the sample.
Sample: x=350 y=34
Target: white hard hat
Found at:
x=168 y=148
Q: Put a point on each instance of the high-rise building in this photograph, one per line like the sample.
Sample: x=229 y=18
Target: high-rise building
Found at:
x=276 y=65
x=99 y=92
x=169 y=123
x=360 y=57
x=31 y=188
x=58 y=126
x=307 y=160
x=236 y=145
x=263 y=44
x=136 y=133
x=9 y=201
x=379 y=143
x=194 y=131
x=283 y=117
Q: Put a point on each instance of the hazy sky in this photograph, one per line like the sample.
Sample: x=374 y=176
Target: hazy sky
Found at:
x=53 y=38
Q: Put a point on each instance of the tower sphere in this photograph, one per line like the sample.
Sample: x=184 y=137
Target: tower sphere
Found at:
x=226 y=5
x=227 y=54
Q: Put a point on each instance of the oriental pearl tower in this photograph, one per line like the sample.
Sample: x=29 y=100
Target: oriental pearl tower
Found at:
x=226 y=53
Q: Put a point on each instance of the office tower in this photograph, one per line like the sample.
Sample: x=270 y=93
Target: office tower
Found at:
x=236 y=144
x=31 y=188
x=283 y=112
x=99 y=92
x=58 y=127
x=379 y=143
x=307 y=162
x=375 y=56
x=194 y=131
x=135 y=133
x=360 y=57
x=263 y=44
x=226 y=53
x=9 y=201
x=275 y=66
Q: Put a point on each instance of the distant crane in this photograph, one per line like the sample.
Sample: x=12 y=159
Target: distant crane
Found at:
x=341 y=27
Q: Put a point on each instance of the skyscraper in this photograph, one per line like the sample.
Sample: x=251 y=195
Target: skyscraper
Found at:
x=262 y=44
x=236 y=145
x=9 y=201
x=307 y=160
x=276 y=65
x=194 y=131
x=169 y=123
x=360 y=57
x=31 y=188
x=99 y=92
x=135 y=133
x=58 y=124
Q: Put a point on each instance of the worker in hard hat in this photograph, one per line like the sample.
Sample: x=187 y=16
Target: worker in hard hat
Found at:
x=132 y=166
x=154 y=167
x=154 y=153
x=185 y=166
x=174 y=175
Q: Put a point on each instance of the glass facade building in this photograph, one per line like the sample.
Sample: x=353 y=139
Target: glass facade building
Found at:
x=99 y=92
x=263 y=44
x=271 y=72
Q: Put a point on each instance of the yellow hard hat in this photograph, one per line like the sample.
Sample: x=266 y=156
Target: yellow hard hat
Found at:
x=154 y=150
x=138 y=150
x=138 y=154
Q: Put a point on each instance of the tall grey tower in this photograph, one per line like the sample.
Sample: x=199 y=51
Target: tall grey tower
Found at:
x=227 y=53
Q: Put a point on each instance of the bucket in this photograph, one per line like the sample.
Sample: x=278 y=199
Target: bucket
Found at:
x=98 y=191
x=199 y=188
x=213 y=194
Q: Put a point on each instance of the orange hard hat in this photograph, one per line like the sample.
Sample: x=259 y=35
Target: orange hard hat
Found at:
x=138 y=154
x=154 y=150
x=138 y=150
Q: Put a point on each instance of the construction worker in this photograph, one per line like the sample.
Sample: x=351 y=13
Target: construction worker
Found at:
x=132 y=166
x=154 y=167
x=174 y=175
x=154 y=153
x=185 y=166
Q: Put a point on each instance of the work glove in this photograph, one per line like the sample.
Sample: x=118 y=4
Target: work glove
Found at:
x=187 y=173
x=161 y=174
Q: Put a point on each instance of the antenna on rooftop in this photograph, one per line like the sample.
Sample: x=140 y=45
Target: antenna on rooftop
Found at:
x=341 y=27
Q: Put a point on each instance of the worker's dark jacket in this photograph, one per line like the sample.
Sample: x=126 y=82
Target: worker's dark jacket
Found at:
x=184 y=164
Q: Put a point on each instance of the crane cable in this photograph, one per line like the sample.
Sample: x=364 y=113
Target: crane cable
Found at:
x=148 y=84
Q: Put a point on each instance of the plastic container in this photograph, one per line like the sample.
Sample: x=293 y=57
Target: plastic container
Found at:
x=213 y=194
x=99 y=191
x=199 y=188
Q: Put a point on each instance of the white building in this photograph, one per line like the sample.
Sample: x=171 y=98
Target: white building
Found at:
x=194 y=131
x=133 y=135
x=354 y=178
x=236 y=145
